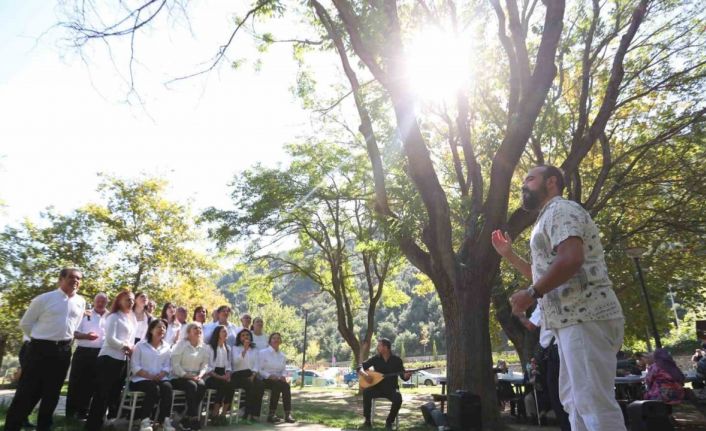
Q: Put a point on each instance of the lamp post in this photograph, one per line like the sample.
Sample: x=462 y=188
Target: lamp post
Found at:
x=306 y=324
x=674 y=306
x=635 y=253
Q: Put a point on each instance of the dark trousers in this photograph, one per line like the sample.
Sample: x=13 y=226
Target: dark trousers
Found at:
x=253 y=390
x=43 y=374
x=379 y=392
x=110 y=379
x=81 y=379
x=154 y=392
x=552 y=389
x=224 y=389
x=194 y=394
x=278 y=388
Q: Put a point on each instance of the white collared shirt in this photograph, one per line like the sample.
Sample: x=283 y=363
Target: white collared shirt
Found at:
x=220 y=360
x=119 y=332
x=249 y=362
x=189 y=359
x=142 y=325
x=272 y=363
x=261 y=341
x=154 y=361
x=93 y=322
x=173 y=332
x=210 y=327
x=53 y=316
x=545 y=335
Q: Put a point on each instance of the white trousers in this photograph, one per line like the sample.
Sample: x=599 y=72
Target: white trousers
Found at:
x=587 y=376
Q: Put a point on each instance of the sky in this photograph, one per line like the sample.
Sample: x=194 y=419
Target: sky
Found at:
x=63 y=116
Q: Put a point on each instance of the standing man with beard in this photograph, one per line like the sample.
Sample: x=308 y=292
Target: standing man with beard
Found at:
x=570 y=278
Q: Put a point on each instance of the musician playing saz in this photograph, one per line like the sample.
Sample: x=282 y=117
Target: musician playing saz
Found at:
x=391 y=366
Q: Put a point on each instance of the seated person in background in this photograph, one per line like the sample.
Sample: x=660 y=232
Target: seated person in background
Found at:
x=386 y=363
x=664 y=381
x=504 y=389
x=632 y=366
x=641 y=359
x=501 y=367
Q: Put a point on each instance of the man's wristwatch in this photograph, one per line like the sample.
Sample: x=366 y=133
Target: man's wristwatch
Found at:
x=533 y=293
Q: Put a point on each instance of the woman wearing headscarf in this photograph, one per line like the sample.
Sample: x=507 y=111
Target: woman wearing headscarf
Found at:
x=664 y=380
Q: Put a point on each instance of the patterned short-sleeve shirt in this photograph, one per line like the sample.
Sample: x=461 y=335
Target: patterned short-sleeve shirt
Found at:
x=588 y=295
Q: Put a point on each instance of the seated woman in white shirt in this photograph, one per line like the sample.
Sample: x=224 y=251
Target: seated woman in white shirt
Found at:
x=150 y=366
x=189 y=366
x=120 y=326
x=245 y=368
x=259 y=338
x=272 y=366
x=219 y=370
x=173 y=325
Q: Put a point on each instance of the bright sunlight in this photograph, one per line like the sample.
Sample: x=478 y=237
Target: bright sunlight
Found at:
x=438 y=64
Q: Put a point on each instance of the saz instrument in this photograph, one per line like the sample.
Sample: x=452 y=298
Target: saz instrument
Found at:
x=379 y=377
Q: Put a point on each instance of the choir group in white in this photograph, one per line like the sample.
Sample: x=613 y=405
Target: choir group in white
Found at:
x=155 y=356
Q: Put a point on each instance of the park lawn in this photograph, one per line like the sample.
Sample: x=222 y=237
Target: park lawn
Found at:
x=343 y=408
x=332 y=407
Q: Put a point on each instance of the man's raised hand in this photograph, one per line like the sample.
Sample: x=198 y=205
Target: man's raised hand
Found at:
x=501 y=242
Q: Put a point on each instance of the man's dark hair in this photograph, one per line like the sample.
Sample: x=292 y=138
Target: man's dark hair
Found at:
x=385 y=342
x=552 y=171
x=223 y=308
x=65 y=271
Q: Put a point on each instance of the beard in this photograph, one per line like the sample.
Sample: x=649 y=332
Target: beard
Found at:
x=531 y=199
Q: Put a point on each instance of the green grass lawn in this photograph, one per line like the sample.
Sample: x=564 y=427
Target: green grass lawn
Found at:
x=331 y=407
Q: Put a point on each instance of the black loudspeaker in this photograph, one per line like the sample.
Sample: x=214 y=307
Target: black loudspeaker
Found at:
x=464 y=411
x=649 y=415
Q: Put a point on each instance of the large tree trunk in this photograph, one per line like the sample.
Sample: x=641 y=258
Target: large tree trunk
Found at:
x=3 y=347
x=469 y=355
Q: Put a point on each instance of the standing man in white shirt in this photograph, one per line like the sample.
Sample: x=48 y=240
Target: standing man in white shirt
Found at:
x=246 y=322
x=222 y=315
x=89 y=335
x=50 y=322
x=570 y=278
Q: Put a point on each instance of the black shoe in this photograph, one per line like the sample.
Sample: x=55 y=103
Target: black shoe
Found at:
x=289 y=419
x=185 y=424
x=273 y=419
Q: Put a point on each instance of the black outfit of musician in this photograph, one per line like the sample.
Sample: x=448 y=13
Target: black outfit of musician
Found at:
x=387 y=388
